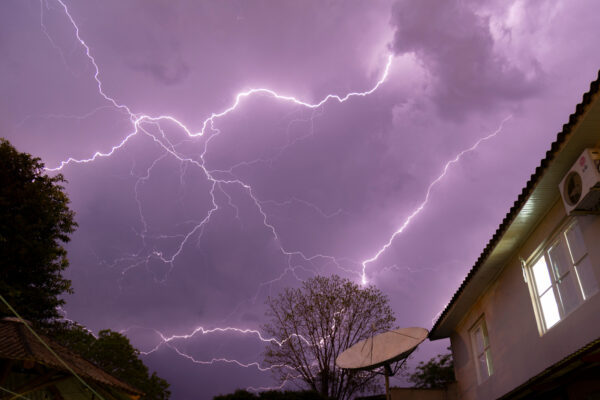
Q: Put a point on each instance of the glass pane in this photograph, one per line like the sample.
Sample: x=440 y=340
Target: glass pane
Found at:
x=488 y=357
x=485 y=335
x=587 y=278
x=576 y=244
x=549 y=309
x=479 y=346
x=568 y=292
x=483 y=367
x=559 y=259
x=541 y=275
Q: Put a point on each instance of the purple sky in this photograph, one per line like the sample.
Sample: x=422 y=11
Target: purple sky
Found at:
x=294 y=191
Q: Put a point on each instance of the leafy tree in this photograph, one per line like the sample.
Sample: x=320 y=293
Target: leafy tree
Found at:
x=315 y=323
x=437 y=373
x=35 y=223
x=112 y=352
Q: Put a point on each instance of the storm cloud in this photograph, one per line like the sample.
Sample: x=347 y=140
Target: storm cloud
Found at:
x=455 y=45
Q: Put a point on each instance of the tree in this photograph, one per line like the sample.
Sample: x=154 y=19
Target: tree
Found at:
x=315 y=323
x=113 y=352
x=437 y=373
x=35 y=223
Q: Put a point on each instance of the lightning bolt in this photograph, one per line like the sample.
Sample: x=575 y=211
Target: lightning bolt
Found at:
x=204 y=331
x=167 y=341
x=421 y=206
x=287 y=379
x=140 y=121
x=228 y=361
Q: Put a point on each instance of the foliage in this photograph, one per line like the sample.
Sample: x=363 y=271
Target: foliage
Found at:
x=35 y=223
x=112 y=352
x=437 y=373
x=271 y=395
x=316 y=323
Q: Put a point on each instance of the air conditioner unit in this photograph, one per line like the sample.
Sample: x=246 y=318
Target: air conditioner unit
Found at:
x=580 y=188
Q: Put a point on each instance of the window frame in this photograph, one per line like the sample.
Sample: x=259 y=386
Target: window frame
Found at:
x=481 y=325
x=558 y=236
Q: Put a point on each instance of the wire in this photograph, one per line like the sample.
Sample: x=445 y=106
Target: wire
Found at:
x=14 y=394
x=49 y=348
x=404 y=334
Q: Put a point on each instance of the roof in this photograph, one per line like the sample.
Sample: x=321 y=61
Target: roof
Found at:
x=586 y=358
x=18 y=343
x=538 y=195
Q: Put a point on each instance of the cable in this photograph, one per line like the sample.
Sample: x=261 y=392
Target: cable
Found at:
x=49 y=348
x=13 y=393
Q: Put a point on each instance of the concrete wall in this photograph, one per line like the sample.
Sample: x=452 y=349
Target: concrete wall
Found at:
x=518 y=350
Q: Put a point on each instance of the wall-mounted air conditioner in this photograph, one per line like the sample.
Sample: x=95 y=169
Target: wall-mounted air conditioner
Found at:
x=580 y=188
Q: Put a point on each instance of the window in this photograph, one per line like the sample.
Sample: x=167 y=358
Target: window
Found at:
x=563 y=277
x=481 y=350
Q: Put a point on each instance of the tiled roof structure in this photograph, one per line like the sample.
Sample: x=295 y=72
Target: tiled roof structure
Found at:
x=18 y=343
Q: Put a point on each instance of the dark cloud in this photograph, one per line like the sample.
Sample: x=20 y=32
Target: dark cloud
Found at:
x=171 y=72
x=455 y=45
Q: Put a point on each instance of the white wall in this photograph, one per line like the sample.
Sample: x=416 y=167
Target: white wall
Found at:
x=518 y=350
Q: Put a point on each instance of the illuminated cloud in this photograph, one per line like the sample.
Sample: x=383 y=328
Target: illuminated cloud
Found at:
x=457 y=48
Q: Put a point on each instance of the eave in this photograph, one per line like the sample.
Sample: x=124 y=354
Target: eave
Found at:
x=536 y=198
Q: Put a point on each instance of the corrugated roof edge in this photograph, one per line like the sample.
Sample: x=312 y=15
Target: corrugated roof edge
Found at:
x=525 y=193
x=591 y=347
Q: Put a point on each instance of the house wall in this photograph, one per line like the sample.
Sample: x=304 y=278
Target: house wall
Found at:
x=518 y=350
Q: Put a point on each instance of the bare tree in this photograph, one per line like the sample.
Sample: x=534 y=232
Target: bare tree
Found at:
x=317 y=322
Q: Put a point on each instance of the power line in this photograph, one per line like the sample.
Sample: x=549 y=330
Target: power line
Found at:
x=49 y=348
x=13 y=393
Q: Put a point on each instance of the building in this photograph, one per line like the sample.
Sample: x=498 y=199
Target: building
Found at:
x=38 y=368
x=525 y=322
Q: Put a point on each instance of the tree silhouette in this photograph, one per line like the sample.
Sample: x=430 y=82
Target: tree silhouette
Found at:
x=437 y=373
x=35 y=223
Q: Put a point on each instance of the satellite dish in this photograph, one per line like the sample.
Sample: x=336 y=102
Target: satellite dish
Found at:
x=382 y=351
